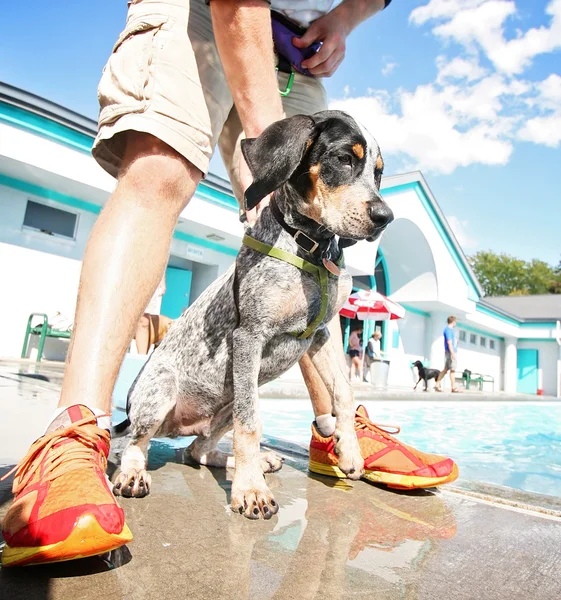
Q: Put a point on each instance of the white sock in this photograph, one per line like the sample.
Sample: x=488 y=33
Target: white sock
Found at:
x=326 y=424
x=102 y=422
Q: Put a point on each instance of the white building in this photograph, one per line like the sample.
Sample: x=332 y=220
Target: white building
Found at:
x=51 y=191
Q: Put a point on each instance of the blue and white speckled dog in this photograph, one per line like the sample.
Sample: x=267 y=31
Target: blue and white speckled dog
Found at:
x=273 y=305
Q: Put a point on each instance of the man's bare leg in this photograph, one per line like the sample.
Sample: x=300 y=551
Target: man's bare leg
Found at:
x=123 y=263
x=437 y=385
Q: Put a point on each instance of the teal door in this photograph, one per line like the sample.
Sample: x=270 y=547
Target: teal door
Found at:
x=178 y=288
x=527 y=371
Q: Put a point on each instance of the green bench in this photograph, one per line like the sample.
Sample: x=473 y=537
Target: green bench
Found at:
x=44 y=330
x=476 y=378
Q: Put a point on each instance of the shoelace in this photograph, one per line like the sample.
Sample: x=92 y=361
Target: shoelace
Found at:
x=62 y=459
x=383 y=430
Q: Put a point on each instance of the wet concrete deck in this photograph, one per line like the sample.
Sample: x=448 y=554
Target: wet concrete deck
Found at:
x=330 y=539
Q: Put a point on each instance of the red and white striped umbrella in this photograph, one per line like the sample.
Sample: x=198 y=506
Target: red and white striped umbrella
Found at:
x=371 y=305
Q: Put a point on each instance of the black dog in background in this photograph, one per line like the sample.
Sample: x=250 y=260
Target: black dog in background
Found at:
x=425 y=374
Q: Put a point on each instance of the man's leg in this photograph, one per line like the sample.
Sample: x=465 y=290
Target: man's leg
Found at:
x=64 y=508
x=452 y=380
x=440 y=377
x=123 y=263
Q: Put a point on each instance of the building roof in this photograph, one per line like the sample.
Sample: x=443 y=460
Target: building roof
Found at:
x=547 y=306
x=434 y=210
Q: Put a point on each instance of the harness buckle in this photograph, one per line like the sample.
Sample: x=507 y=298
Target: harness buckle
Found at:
x=310 y=245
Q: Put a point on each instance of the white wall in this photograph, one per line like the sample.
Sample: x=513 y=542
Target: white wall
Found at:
x=38 y=272
x=547 y=363
x=34 y=281
x=412 y=334
x=479 y=359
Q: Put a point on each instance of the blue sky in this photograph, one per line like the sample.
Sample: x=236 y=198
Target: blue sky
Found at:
x=469 y=91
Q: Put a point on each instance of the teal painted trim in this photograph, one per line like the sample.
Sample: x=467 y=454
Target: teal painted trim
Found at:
x=537 y=340
x=28 y=121
x=386 y=272
x=395 y=339
x=347 y=333
x=496 y=315
x=415 y=311
x=37 y=190
x=384 y=343
x=526 y=324
x=480 y=332
x=473 y=293
x=205 y=243
x=220 y=198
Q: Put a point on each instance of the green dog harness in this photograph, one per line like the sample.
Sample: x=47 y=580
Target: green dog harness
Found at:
x=320 y=273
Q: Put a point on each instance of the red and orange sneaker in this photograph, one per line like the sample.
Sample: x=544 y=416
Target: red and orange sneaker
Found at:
x=386 y=460
x=64 y=508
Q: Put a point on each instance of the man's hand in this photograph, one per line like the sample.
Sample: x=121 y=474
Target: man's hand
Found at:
x=332 y=29
x=333 y=32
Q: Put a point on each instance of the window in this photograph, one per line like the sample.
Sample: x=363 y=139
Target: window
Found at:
x=492 y=344
x=462 y=335
x=472 y=338
x=49 y=220
x=483 y=342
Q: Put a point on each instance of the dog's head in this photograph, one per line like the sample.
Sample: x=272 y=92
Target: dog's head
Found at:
x=418 y=364
x=332 y=163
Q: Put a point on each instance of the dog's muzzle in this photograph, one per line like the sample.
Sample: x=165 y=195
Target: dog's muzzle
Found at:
x=381 y=215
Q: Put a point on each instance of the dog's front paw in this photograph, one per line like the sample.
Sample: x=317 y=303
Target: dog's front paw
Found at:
x=350 y=457
x=271 y=462
x=132 y=484
x=254 y=502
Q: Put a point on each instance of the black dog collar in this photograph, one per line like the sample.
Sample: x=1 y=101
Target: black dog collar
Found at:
x=318 y=249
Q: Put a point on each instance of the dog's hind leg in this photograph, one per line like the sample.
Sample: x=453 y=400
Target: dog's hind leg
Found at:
x=150 y=404
x=329 y=360
x=204 y=451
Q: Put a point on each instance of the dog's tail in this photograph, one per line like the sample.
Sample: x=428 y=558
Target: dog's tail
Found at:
x=121 y=429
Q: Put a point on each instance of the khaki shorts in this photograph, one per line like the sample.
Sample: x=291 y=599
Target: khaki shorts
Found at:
x=164 y=77
x=450 y=364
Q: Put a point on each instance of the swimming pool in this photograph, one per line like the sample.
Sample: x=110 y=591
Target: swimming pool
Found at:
x=516 y=444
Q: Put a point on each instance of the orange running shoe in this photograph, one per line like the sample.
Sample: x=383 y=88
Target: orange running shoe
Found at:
x=386 y=460
x=64 y=508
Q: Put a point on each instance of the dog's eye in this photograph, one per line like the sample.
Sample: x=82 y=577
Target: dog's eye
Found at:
x=346 y=160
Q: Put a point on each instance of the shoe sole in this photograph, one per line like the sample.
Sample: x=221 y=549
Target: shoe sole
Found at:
x=88 y=538
x=392 y=480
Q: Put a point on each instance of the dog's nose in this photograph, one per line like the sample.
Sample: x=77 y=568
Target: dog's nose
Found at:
x=380 y=213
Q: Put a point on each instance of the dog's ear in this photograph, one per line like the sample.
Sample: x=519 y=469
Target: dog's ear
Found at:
x=273 y=157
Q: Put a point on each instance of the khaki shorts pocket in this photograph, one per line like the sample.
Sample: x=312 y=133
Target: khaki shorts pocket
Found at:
x=126 y=84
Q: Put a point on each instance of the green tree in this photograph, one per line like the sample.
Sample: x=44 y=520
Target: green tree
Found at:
x=504 y=275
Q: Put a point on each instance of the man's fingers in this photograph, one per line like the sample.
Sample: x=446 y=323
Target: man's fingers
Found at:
x=327 y=68
x=313 y=34
x=326 y=50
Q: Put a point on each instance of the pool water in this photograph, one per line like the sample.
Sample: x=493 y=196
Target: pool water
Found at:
x=515 y=444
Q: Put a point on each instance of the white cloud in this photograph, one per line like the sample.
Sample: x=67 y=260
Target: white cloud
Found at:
x=388 y=67
x=438 y=129
x=545 y=127
x=460 y=230
x=470 y=113
x=459 y=69
x=437 y=9
x=480 y=25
